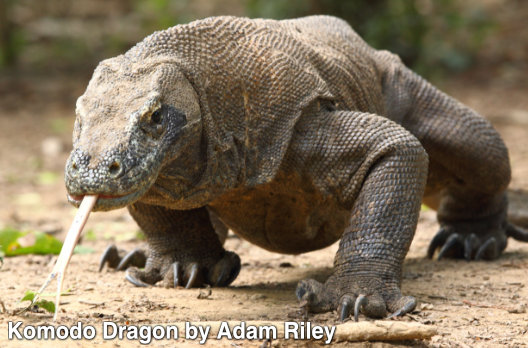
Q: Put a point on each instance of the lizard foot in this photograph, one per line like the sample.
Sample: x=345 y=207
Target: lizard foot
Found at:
x=173 y=272
x=463 y=241
x=368 y=296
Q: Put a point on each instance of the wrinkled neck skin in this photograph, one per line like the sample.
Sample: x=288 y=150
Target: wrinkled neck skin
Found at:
x=193 y=174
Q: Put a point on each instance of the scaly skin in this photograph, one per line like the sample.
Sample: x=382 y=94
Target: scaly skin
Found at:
x=293 y=134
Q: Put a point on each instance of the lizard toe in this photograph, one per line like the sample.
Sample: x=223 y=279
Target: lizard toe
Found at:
x=402 y=306
x=471 y=242
x=193 y=274
x=189 y=275
x=314 y=297
x=438 y=240
x=136 y=257
x=111 y=256
x=345 y=307
x=373 y=306
x=120 y=260
x=516 y=232
x=452 y=246
x=488 y=250
x=225 y=271
x=361 y=301
x=194 y=278
x=142 y=278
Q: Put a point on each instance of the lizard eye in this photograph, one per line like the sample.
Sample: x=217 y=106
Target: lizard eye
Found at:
x=152 y=123
x=156 y=117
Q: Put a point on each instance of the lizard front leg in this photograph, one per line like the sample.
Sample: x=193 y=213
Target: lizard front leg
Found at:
x=378 y=170
x=183 y=249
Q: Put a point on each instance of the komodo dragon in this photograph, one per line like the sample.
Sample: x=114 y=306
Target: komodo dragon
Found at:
x=293 y=134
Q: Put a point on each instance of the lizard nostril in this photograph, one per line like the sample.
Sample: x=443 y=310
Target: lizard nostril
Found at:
x=115 y=168
x=74 y=166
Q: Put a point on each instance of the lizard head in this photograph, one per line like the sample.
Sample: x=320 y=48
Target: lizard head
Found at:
x=133 y=119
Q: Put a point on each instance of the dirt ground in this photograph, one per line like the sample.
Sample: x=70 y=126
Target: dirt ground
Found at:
x=473 y=304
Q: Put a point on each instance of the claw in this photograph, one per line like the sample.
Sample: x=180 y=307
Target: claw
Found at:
x=469 y=246
x=346 y=307
x=516 y=233
x=131 y=278
x=408 y=307
x=110 y=256
x=225 y=271
x=438 y=240
x=490 y=246
x=134 y=258
x=361 y=301
x=192 y=276
x=176 y=274
x=453 y=240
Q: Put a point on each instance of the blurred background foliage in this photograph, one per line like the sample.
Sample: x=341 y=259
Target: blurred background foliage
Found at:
x=425 y=33
x=434 y=37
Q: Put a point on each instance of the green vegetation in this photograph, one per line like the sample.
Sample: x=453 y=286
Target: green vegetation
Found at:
x=431 y=36
x=14 y=242
x=440 y=35
x=44 y=304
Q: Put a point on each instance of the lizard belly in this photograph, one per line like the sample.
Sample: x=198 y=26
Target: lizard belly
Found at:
x=282 y=216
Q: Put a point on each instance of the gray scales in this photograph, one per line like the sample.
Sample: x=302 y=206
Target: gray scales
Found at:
x=293 y=134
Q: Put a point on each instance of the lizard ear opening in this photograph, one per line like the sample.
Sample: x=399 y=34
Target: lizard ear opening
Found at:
x=176 y=117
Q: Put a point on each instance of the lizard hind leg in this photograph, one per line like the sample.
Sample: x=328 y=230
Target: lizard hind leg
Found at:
x=469 y=170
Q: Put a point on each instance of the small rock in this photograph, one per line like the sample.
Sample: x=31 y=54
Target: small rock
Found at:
x=426 y=306
x=258 y=297
x=518 y=309
x=206 y=293
x=285 y=265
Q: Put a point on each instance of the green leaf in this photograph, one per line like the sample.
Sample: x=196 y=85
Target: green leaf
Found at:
x=8 y=236
x=28 y=296
x=44 y=304
x=47 y=305
x=12 y=244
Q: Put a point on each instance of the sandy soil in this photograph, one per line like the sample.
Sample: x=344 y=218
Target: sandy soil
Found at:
x=473 y=304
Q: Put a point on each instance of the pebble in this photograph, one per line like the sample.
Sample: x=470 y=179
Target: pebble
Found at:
x=518 y=309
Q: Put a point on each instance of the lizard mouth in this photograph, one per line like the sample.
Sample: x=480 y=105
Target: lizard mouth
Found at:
x=108 y=202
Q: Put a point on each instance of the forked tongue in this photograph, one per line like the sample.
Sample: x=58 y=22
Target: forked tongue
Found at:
x=65 y=255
